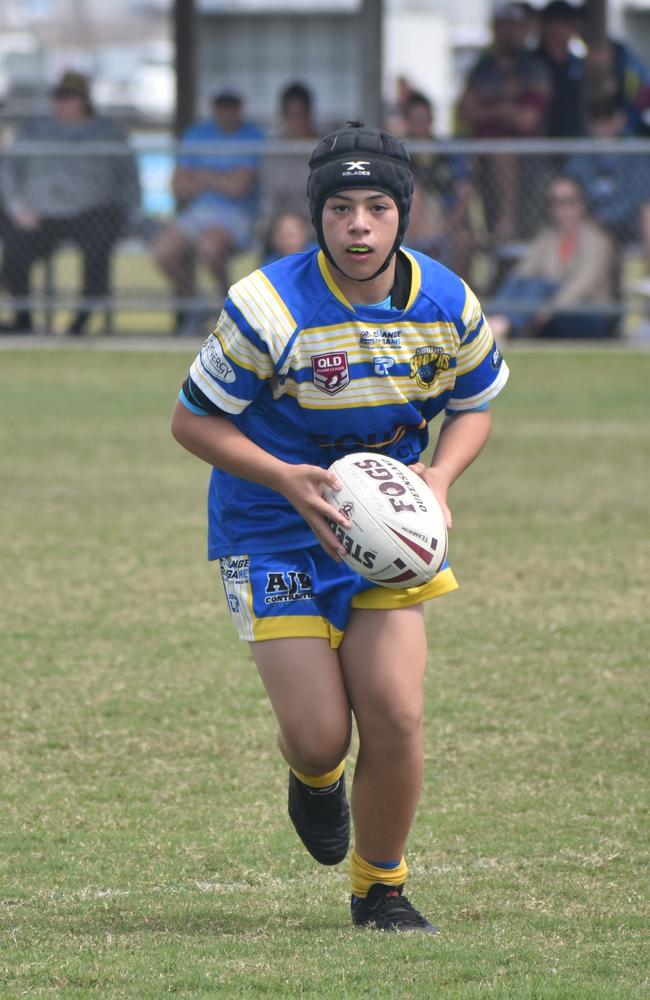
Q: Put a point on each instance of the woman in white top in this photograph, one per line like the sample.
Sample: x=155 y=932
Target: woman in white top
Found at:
x=567 y=267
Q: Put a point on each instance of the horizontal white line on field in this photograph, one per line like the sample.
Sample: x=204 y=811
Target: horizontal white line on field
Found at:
x=171 y=889
x=511 y=865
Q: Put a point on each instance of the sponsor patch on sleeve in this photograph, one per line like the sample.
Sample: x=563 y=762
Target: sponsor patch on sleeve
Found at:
x=214 y=361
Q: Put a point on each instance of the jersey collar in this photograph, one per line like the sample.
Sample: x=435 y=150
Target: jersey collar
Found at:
x=416 y=280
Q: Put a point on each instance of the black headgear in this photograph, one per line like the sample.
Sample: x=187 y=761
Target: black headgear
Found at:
x=364 y=158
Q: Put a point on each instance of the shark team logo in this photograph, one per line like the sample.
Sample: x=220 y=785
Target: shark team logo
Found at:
x=330 y=372
x=356 y=168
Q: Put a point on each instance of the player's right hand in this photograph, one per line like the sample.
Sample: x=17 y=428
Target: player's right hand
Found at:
x=303 y=486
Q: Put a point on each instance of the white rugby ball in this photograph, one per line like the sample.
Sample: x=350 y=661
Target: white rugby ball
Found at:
x=398 y=536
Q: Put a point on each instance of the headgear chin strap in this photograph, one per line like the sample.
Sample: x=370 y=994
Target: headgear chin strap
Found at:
x=359 y=157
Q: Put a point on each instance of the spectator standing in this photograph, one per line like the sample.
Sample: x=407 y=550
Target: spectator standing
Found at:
x=560 y=24
x=395 y=111
x=614 y=70
x=440 y=223
x=87 y=198
x=284 y=177
x=217 y=192
x=570 y=263
x=609 y=68
x=507 y=95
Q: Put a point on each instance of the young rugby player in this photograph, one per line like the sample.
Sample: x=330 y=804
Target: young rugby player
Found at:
x=353 y=347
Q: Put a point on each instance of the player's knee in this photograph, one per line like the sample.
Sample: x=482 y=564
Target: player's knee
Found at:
x=318 y=762
x=314 y=753
x=396 y=729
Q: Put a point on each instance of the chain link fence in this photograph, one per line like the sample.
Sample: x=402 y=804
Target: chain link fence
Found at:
x=538 y=228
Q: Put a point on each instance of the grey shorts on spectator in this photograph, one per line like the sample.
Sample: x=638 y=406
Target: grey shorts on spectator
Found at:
x=196 y=219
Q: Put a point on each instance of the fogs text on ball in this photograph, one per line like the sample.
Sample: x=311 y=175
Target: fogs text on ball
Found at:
x=398 y=536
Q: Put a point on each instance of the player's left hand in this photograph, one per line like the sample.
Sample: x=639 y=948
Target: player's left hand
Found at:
x=438 y=486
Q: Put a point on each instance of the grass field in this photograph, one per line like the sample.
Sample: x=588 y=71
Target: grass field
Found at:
x=146 y=850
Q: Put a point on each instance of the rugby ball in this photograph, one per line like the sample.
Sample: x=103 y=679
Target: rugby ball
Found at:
x=398 y=536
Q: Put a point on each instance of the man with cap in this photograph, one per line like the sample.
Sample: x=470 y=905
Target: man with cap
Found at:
x=79 y=197
x=217 y=191
x=353 y=347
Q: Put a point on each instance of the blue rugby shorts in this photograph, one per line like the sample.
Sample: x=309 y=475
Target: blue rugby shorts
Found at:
x=307 y=593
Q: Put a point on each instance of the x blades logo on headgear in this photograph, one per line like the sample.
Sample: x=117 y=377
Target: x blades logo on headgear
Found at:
x=356 y=168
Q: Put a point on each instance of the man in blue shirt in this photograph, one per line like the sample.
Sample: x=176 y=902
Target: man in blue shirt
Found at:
x=218 y=195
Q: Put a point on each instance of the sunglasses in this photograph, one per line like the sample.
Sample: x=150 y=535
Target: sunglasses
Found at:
x=564 y=199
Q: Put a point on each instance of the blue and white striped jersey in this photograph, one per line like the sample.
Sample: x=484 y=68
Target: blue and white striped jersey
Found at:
x=309 y=377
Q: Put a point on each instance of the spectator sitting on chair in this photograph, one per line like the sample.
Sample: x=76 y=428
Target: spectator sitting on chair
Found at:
x=569 y=264
x=284 y=175
x=288 y=232
x=85 y=198
x=217 y=191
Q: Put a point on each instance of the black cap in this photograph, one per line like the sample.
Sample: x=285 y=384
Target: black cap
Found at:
x=510 y=12
x=227 y=95
x=561 y=10
x=72 y=84
x=360 y=157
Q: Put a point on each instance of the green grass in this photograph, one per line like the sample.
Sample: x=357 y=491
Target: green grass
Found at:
x=145 y=849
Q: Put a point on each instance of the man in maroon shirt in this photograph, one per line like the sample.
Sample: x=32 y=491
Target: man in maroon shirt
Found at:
x=507 y=95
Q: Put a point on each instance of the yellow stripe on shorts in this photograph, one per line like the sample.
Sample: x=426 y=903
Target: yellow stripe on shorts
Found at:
x=293 y=626
x=383 y=598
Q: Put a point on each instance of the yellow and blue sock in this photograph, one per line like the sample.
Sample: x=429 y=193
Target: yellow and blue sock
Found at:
x=364 y=873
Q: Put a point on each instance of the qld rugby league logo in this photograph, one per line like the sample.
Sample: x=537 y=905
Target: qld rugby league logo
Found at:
x=426 y=363
x=330 y=371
